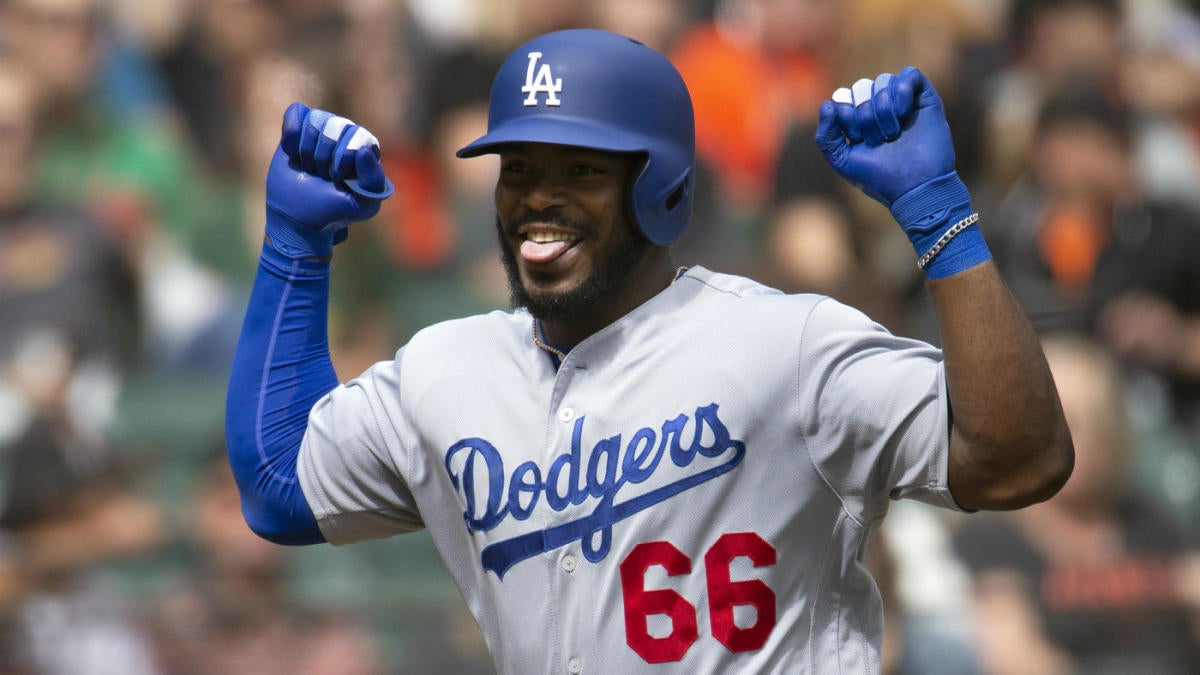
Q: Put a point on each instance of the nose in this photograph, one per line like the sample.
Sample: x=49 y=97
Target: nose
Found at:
x=544 y=194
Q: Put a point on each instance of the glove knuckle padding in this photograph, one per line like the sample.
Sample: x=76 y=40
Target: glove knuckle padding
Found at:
x=900 y=153
x=342 y=164
x=897 y=134
x=321 y=156
x=311 y=192
x=903 y=88
x=361 y=138
x=829 y=136
x=310 y=137
x=327 y=143
x=864 y=113
x=848 y=121
x=369 y=170
x=886 y=114
x=292 y=128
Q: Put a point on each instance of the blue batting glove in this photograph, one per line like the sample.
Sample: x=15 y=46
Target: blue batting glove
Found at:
x=325 y=174
x=890 y=139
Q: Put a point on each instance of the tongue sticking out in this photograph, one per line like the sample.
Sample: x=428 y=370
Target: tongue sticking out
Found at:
x=535 y=252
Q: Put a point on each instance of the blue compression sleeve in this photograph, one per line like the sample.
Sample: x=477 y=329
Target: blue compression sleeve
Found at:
x=281 y=369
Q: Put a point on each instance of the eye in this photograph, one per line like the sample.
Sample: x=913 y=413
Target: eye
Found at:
x=587 y=169
x=514 y=166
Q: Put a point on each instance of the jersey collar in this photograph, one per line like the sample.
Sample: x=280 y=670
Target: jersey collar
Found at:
x=559 y=352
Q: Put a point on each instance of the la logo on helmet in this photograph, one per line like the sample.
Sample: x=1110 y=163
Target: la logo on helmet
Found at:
x=541 y=83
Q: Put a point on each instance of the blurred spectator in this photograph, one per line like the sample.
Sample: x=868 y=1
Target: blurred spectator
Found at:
x=656 y=23
x=508 y=23
x=134 y=178
x=756 y=68
x=94 y=44
x=827 y=237
x=66 y=507
x=205 y=65
x=131 y=174
x=131 y=241
x=708 y=240
x=812 y=246
x=1084 y=248
x=1098 y=579
x=60 y=275
x=234 y=616
x=211 y=260
x=67 y=512
x=1162 y=79
x=912 y=646
x=945 y=41
x=1051 y=229
x=382 y=86
x=1049 y=44
x=461 y=207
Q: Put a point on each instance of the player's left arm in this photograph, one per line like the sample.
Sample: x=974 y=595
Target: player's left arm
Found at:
x=1009 y=444
x=325 y=174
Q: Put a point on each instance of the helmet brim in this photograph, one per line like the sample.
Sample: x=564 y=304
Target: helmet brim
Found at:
x=556 y=131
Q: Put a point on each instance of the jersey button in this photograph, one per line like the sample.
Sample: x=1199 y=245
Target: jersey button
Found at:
x=568 y=563
x=566 y=414
x=574 y=666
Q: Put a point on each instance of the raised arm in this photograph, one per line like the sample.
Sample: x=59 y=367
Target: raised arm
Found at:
x=325 y=174
x=1009 y=444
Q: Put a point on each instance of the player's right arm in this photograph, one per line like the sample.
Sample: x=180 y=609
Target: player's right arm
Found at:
x=1008 y=440
x=324 y=175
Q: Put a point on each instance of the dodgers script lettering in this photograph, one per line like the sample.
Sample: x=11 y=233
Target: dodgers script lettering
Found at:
x=611 y=465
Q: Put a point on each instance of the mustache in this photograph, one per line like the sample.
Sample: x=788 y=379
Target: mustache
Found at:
x=553 y=217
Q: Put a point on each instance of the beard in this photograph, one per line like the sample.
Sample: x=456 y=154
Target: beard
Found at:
x=609 y=276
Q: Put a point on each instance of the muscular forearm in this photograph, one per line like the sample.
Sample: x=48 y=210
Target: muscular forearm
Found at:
x=325 y=174
x=281 y=369
x=1009 y=444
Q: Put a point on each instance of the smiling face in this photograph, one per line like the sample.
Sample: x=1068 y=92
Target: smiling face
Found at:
x=572 y=257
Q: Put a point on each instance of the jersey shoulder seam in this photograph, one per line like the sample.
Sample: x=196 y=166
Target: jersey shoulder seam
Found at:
x=405 y=446
x=707 y=284
x=392 y=514
x=803 y=437
x=747 y=287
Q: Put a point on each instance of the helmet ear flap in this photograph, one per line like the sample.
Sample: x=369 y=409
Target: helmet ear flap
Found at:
x=631 y=193
x=678 y=194
x=664 y=216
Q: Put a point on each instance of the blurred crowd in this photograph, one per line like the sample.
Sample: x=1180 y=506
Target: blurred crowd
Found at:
x=134 y=140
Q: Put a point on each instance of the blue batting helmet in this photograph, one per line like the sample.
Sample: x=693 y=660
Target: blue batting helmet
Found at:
x=600 y=90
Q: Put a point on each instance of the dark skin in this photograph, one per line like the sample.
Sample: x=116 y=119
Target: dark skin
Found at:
x=1009 y=444
x=576 y=196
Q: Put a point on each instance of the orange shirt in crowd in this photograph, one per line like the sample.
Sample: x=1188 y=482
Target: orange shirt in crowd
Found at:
x=745 y=99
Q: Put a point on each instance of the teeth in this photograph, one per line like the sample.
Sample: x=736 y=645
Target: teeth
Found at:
x=547 y=237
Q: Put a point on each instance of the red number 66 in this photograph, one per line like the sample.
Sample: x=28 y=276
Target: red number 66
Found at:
x=723 y=595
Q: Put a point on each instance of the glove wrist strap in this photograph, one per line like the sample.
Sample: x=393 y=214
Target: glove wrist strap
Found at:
x=914 y=207
x=296 y=241
x=938 y=220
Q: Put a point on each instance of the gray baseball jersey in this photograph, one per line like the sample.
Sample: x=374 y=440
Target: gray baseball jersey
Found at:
x=690 y=491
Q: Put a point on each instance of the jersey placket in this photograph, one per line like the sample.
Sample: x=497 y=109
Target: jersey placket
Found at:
x=564 y=565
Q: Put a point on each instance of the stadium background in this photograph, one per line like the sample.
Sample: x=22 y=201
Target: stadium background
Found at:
x=134 y=138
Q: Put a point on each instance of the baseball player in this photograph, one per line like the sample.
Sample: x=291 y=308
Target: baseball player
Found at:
x=643 y=467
